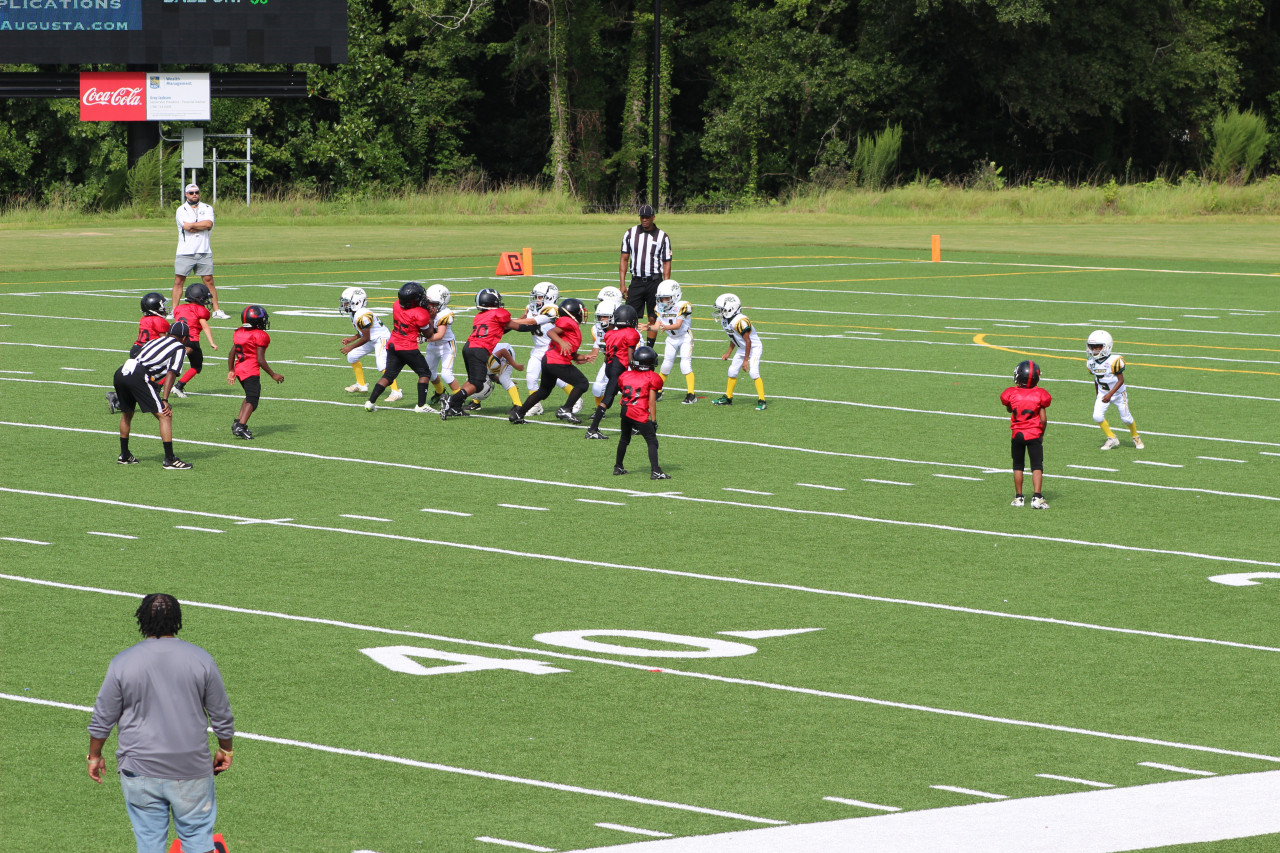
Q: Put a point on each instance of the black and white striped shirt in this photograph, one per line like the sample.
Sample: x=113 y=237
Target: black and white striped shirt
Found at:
x=648 y=250
x=157 y=358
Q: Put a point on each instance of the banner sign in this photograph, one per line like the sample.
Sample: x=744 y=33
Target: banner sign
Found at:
x=143 y=96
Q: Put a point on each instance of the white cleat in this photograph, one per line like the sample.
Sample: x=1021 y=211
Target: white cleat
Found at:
x=1137 y=442
x=1110 y=443
x=536 y=410
x=1018 y=501
x=221 y=315
x=577 y=407
x=397 y=395
x=357 y=389
x=1039 y=503
x=369 y=406
x=426 y=408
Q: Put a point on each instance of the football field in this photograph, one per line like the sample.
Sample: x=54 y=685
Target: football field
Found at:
x=467 y=635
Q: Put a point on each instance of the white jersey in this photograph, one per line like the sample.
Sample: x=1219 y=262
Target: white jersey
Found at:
x=546 y=317
x=740 y=331
x=366 y=319
x=445 y=320
x=597 y=335
x=681 y=311
x=1106 y=371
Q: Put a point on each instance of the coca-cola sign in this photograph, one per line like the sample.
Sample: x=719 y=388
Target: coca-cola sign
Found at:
x=112 y=96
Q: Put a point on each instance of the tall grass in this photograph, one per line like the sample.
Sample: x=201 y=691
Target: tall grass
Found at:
x=1239 y=141
x=875 y=158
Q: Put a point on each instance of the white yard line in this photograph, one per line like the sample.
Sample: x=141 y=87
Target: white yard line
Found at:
x=1173 y=768
x=860 y=804
x=970 y=792
x=1074 y=780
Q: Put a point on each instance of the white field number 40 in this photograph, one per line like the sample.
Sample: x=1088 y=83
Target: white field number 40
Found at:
x=403 y=658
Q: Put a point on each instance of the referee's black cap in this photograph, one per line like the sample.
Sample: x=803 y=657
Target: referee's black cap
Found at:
x=647 y=210
x=180 y=330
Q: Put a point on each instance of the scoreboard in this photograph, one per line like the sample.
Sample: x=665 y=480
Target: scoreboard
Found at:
x=186 y=32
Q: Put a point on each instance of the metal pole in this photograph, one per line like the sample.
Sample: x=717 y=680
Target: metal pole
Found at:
x=215 y=175
x=657 y=91
x=248 y=164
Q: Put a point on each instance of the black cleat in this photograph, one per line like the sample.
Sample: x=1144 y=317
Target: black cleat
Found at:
x=126 y=459
x=242 y=432
x=618 y=470
x=176 y=464
x=658 y=399
x=689 y=398
x=595 y=433
x=472 y=406
x=566 y=415
x=659 y=475
x=113 y=402
x=515 y=417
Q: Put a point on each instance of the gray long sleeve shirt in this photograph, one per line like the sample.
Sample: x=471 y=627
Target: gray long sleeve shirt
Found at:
x=163 y=693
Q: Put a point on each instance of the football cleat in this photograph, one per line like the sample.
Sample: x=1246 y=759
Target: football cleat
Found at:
x=536 y=410
x=658 y=399
x=577 y=407
x=618 y=470
x=357 y=389
x=1039 y=503
x=659 y=475
x=369 y=406
x=1018 y=501
x=1110 y=443
x=245 y=434
x=113 y=402
x=126 y=459
x=515 y=417
x=178 y=389
x=471 y=406
x=221 y=315
x=436 y=399
x=176 y=464
x=424 y=408
x=761 y=405
x=565 y=415
x=1137 y=443
x=723 y=401
x=595 y=433
x=395 y=395
x=689 y=399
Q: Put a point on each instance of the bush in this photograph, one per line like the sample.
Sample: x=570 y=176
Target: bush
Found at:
x=1239 y=140
x=875 y=158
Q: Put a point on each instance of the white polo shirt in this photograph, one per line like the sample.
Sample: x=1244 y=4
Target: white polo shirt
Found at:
x=194 y=242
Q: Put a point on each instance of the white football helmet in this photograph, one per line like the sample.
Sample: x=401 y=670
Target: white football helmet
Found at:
x=544 y=293
x=604 y=311
x=728 y=306
x=668 y=294
x=438 y=296
x=1103 y=341
x=609 y=294
x=352 y=300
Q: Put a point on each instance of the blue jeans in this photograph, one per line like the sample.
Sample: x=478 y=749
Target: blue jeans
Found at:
x=149 y=802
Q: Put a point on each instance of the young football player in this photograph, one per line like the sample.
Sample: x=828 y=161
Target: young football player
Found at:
x=410 y=318
x=502 y=363
x=619 y=341
x=1026 y=404
x=639 y=388
x=491 y=322
x=370 y=337
x=601 y=327
x=560 y=364
x=248 y=358
x=441 y=345
x=675 y=317
x=152 y=324
x=744 y=346
x=542 y=307
x=1108 y=378
x=195 y=312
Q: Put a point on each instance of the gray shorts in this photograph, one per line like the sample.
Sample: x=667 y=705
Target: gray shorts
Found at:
x=201 y=264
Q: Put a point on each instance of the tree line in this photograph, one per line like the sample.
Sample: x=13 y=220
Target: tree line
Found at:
x=757 y=98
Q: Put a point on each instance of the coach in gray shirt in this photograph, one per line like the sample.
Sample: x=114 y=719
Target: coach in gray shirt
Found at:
x=163 y=693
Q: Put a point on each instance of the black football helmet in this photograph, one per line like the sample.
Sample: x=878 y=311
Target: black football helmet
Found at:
x=488 y=298
x=644 y=358
x=574 y=308
x=1027 y=375
x=412 y=295
x=255 y=317
x=199 y=294
x=155 y=305
x=625 y=316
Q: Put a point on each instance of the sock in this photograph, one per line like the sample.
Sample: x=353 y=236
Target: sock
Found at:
x=124 y=446
x=422 y=393
x=515 y=395
x=688 y=381
x=358 y=368
x=376 y=391
x=760 y=387
x=168 y=450
x=599 y=400
x=595 y=418
x=664 y=377
x=188 y=376
x=733 y=380
x=651 y=341
x=438 y=385
x=457 y=399
x=1133 y=429
x=1106 y=430
x=393 y=386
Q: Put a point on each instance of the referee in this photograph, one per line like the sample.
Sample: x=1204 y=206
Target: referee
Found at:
x=646 y=255
x=144 y=382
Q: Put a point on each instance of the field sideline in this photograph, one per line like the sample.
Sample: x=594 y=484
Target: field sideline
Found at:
x=828 y=628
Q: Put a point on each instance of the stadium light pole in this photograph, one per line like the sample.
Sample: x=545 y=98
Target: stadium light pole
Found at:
x=657 y=91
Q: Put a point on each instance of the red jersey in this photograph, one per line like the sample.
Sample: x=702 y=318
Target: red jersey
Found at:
x=488 y=327
x=571 y=334
x=634 y=387
x=407 y=324
x=193 y=314
x=151 y=327
x=245 y=346
x=1026 y=404
x=618 y=344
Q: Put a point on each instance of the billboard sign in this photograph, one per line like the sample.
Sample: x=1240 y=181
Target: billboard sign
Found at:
x=143 y=96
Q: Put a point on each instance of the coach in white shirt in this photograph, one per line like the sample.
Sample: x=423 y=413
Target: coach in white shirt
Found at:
x=195 y=222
